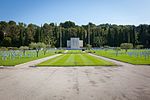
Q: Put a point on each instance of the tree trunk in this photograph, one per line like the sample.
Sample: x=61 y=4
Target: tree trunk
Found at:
x=37 y=51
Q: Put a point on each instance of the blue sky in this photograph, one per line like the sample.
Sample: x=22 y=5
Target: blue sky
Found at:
x=80 y=11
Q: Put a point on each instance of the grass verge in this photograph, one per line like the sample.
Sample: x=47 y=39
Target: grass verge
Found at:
x=135 y=58
x=18 y=60
x=82 y=59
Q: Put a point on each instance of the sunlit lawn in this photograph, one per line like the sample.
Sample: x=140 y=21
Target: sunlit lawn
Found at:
x=79 y=59
x=11 y=61
x=132 y=56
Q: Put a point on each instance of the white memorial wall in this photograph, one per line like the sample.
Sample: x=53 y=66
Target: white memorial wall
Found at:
x=74 y=43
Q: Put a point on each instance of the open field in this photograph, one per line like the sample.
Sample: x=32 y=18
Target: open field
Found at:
x=75 y=58
x=132 y=56
x=11 y=58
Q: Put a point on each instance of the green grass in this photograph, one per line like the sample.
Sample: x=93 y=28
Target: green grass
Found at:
x=80 y=59
x=75 y=51
x=122 y=56
x=18 y=60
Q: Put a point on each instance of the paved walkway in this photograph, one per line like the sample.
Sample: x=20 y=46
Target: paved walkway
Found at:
x=111 y=60
x=66 y=51
x=75 y=83
x=35 y=62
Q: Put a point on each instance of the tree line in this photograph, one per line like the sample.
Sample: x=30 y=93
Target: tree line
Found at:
x=14 y=34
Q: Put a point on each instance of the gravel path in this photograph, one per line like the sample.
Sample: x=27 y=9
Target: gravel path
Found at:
x=126 y=82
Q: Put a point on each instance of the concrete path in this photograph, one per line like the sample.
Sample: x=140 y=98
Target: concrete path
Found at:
x=111 y=60
x=35 y=62
x=66 y=51
x=75 y=83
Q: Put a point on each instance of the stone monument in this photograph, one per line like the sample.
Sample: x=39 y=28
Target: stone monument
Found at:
x=74 y=43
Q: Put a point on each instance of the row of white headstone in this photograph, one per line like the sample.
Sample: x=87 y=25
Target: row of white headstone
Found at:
x=15 y=54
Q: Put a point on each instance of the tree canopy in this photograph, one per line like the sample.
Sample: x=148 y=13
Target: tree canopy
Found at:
x=126 y=46
x=21 y=34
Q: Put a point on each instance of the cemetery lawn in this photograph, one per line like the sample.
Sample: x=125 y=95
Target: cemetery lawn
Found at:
x=18 y=60
x=80 y=59
x=132 y=56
